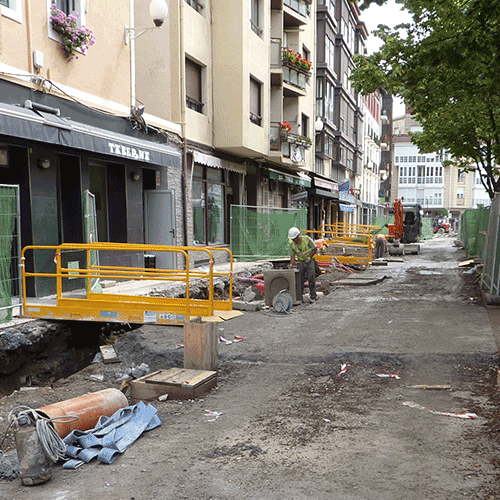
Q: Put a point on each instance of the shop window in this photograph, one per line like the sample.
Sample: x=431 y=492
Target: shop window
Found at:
x=194 y=98
x=12 y=9
x=209 y=207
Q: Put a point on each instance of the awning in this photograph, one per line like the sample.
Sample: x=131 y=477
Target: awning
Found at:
x=24 y=123
x=207 y=160
x=214 y=162
x=299 y=180
x=325 y=194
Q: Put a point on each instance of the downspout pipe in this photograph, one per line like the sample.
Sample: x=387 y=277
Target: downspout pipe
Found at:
x=182 y=93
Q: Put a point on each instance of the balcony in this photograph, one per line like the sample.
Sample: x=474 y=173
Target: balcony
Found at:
x=296 y=12
x=288 y=145
x=296 y=72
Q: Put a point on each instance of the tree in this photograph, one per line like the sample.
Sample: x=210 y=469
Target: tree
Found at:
x=445 y=64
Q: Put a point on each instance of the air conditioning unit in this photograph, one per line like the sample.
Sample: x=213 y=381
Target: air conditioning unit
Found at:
x=276 y=280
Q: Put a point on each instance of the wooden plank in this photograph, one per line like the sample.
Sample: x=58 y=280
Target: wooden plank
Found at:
x=201 y=377
x=225 y=315
x=162 y=376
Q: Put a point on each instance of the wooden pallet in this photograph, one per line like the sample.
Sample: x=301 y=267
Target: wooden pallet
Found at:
x=178 y=383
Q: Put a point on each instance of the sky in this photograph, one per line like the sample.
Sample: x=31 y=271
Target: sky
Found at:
x=389 y=14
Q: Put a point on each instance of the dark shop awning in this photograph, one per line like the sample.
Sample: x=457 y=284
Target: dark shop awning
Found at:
x=299 y=180
x=38 y=126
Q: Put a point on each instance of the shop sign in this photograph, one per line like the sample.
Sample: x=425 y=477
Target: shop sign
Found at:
x=330 y=186
x=129 y=152
x=299 y=196
x=349 y=198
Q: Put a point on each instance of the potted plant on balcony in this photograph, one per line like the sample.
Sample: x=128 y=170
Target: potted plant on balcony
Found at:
x=304 y=141
x=73 y=38
x=285 y=128
x=295 y=59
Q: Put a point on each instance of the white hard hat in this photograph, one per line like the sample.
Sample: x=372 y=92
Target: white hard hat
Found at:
x=293 y=233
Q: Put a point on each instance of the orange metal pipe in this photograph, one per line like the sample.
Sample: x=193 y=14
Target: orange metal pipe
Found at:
x=88 y=408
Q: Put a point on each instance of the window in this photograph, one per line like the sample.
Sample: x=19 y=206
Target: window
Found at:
x=319 y=97
x=196 y=4
x=329 y=52
x=255 y=16
x=12 y=9
x=330 y=91
x=461 y=176
x=74 y=7
x=208 y=194
x=194 y=86
x=255 y=101
x=304 y=126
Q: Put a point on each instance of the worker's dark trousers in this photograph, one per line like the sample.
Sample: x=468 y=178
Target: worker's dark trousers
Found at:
x=308 y=272
x=380 y=245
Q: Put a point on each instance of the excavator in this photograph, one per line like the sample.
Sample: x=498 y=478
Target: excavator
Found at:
x=406 y=230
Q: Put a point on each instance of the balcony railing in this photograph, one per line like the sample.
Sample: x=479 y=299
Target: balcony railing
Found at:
x=301 y=6
x=280 y=140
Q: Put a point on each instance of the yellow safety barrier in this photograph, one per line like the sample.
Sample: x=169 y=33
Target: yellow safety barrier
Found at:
x=345 y=242
x=79 y=294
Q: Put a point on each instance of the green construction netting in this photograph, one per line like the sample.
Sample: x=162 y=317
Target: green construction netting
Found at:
x=382 y=222
x=490 y=277
x=262 y=233
x=472 y=231
x=8 y=202
x=427 y=230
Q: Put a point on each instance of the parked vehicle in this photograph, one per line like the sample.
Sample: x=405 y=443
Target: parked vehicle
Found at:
x=440 y=226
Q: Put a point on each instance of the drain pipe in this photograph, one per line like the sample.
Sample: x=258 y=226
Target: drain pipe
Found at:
x=185 y=193
x=132 y=55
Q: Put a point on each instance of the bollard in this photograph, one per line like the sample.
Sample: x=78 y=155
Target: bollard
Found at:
x=88 y=408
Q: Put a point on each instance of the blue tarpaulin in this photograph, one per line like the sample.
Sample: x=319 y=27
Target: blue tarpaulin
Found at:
x=111 y=436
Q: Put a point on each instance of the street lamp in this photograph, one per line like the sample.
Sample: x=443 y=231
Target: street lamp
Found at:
x=158 y=10
x=318 y=125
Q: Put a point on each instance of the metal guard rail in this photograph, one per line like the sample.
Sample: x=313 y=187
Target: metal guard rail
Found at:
x=87 y=305
x=354 y=241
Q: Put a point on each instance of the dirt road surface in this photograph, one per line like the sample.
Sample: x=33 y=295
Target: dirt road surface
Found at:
x=292 y=424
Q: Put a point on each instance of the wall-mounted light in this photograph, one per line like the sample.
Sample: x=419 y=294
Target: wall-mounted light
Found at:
x=158 y=10
x=43 y=163
x=135 y=176
x=318 y=125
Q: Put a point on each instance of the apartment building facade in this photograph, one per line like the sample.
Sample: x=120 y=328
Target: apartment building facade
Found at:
x=369 y=179
x=422 y=178
x=339 y=141
x=237 y=77
x=71 y=134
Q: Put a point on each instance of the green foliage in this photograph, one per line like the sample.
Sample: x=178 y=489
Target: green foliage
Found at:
x=445 y=65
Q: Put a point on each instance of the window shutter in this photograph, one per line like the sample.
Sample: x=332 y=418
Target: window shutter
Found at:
x=254 y=97
x=193 y=80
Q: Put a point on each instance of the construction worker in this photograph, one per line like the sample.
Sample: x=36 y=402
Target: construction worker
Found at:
x=380 y=245
x=302 y=251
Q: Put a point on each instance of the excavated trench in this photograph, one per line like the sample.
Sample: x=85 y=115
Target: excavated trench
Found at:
x=39 y=353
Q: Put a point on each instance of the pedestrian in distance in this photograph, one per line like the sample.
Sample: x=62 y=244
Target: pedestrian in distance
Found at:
x=380 y=245
x=302 y=251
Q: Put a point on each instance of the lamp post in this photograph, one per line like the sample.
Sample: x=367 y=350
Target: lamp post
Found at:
x=158 y=10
